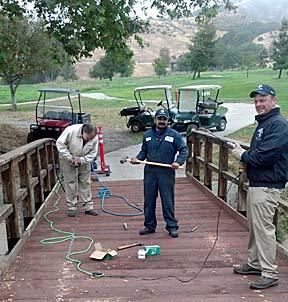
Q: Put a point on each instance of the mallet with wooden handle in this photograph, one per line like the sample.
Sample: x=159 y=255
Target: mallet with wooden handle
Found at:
x=146 y=162
x=123 y=247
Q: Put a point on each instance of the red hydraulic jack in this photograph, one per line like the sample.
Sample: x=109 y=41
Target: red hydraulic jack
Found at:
x=104 y=169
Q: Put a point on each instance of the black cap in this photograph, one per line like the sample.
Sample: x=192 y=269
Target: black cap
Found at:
x=162 y=112
x=263 y=90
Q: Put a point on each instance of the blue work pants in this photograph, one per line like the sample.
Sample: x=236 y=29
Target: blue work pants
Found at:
x=162 y=180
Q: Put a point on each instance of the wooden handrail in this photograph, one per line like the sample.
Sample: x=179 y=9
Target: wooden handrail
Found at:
x=208 y=154
x=28 y=174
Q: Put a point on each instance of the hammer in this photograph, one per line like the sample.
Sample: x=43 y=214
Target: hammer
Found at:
x=146 y=162
x=123 y=247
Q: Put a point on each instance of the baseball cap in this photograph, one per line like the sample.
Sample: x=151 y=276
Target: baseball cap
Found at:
x=263 y=90
x=162 y=112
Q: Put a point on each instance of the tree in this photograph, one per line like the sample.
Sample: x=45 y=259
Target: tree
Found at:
x=104 y=68
x=107 y=66
x=202 y=48
x=125 y=64
x=68 y=72
x=25 y=50
x=280 y=48
x=165 y=55
x=83 y=25
x=160 y=67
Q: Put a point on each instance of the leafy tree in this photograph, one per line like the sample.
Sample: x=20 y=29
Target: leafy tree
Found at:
x=202 y=49
x=68 y=72
x=280 y=48
x=165 y=55
x=160 y=67
x=83 y=25
x=263 y=57
x=125 y=64
x=183 y=63
x=25 y=50
x=107 y=66
x=103 y=69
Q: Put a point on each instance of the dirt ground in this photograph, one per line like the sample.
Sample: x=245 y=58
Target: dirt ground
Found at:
x=14 y=134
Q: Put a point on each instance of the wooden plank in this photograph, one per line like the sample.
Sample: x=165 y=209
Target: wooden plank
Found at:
x=41 y=272
x=34 y=181
x=8 y=260
x=16 y=153
x=213 y=167
x=196 y=154
x=25 y=182
x=208 y=154
x=5 y=211
x=22 y=193
x=14 y=222
x=223 y=166
x=230 y=176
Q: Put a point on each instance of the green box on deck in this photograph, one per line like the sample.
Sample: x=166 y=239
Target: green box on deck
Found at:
x=151 y=250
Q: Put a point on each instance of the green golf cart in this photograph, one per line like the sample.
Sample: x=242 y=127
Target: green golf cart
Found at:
x=197 y=106
x=141 y=116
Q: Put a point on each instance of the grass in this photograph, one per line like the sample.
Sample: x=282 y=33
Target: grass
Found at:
x=236 y=86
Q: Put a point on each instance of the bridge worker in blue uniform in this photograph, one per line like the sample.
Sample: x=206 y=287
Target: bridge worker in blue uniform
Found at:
x=77 y=147
x=267 y=171
x=161 y=144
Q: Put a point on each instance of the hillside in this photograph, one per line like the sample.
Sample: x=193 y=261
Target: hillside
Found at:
x=163 y=33
x=175 y=35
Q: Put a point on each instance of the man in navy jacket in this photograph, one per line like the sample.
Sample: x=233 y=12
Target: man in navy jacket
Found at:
x=161 y=144
x=267 y=168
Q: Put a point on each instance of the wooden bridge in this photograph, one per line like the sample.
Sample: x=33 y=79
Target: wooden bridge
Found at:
x=31 y=271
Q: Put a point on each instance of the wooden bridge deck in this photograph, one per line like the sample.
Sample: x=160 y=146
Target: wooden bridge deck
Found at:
x=41 y=273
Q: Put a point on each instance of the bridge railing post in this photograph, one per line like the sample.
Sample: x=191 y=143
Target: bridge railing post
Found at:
x=28 y=174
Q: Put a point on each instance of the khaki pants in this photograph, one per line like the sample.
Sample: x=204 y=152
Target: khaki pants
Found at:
x=77 y=179
x=261 y=205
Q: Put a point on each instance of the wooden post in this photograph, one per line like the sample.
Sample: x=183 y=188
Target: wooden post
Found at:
x=25 y=182
x=190 y=154
x=196 y=152
x=15 y=224
x=208 y=153
x=242 y=193
x=36 y=172
x=223 y=166
x=44 y=165
x=52 y=161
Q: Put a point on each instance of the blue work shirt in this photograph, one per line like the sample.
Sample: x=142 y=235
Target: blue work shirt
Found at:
x=162 y=147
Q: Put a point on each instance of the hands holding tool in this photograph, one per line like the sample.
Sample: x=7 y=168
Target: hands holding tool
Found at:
x=237 y=151
x=135 y=160
x=77 y=161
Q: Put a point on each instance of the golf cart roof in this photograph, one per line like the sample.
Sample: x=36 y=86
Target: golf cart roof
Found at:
x=200 y=87
x=154 y=87
x=59 y=90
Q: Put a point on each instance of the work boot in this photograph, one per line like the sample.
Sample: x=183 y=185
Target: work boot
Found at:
x=91 y=212
x=72 y=213
x=173 y=233
x=264 y=282
x=246 y=269
x=146 y=231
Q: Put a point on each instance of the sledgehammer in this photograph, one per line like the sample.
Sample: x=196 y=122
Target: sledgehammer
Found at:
x=146 y=162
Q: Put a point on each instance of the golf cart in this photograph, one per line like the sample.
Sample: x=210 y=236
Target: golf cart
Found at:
x=141 y=116
x=198 y=107
x=52 y=117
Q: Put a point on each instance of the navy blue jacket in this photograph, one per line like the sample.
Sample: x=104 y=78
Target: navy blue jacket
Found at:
x=163 y=148
x=267 y=159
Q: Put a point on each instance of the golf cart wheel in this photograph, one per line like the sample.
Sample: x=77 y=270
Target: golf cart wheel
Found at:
x=32 y=136
x=222 y=125
x=190 y=128
x=136 y=127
